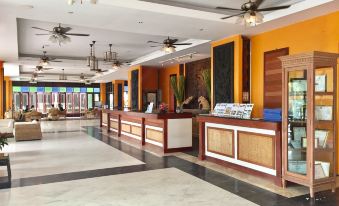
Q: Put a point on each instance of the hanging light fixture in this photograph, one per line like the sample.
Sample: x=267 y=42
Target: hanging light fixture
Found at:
x=168 y=49
x=63 y=76
x=92 y=61
x=251 y=18
x=110 y=56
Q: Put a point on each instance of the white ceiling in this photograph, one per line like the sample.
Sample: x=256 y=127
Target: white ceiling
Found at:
x=116 y=21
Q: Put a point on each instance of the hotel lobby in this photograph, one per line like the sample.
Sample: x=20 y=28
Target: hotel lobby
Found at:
x=169 y=102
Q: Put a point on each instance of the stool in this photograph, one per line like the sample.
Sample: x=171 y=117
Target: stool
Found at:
x=27 y=131
x=4 y=161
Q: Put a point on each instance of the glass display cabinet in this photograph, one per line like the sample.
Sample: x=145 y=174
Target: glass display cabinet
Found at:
x=309 y=120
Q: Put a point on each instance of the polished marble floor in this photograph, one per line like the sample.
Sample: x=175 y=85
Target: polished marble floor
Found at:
x=78 y=163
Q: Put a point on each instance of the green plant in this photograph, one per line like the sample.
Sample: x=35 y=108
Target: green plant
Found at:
x=206 y=77
x=3 y=141
x=178 y=88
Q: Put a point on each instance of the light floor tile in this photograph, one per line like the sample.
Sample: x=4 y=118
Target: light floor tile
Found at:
x=150 y=188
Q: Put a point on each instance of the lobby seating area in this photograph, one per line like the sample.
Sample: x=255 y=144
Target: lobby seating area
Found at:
x=169 y=102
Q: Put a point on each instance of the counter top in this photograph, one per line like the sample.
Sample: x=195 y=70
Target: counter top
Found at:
x=255 y=123
x=169 y=115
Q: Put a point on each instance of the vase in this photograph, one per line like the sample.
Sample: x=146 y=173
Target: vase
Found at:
x=179 y=108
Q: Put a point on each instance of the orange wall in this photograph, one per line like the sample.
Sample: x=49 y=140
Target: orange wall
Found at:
x=164 y=81
x=9 y=93
x=149 y=78
x=1 y=90
x=237 y=65
x=321 y=33
x=115 y=92
x=102 y=93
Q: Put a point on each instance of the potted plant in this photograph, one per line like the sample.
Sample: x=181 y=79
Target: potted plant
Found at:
x=3 y=142
x=163 y=108
x=178 y=88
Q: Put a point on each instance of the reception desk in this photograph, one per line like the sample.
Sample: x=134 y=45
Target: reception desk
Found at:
x=171 y=132
x=253 y=146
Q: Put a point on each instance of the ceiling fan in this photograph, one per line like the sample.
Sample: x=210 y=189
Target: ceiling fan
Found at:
x=250 y=12
x=45 y=60
x=59 y=34
x=168 y=45
x=40 y=69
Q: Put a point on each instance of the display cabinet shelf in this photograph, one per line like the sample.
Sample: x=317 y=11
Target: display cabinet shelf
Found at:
x=309 y=120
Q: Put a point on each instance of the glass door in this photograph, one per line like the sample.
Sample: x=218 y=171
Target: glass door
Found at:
x=83 y=102
x=62 y=100
x=55 y=99
x=297 y=127
x=324 y=124
x=33 y=100
x=76 y=102
x=89 y=101
x=17 y=101
x=25 y=102
x=69 y=102
x=48 y=101
x=41 y=102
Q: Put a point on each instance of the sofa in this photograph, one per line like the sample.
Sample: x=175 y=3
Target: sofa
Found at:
x=33 y=115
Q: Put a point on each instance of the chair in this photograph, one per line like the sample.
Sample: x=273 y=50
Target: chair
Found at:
x=53 y=114
x=62 y=113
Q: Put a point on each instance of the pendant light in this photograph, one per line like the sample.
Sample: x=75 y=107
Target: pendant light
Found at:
x=92 y=61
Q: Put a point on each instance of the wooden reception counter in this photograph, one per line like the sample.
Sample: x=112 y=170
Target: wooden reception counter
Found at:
x=170 y=131
x=253 y=146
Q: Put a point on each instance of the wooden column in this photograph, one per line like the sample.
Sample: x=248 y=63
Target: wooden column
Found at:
x=103 y=93
x=9 y=93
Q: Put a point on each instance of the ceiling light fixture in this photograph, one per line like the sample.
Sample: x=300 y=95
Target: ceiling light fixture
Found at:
x=63 y=76
x=179 y=58
x=251 y=18
x=71 y=2
x=168 y=49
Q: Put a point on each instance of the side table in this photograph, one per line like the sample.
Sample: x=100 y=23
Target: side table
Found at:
x=4 y=161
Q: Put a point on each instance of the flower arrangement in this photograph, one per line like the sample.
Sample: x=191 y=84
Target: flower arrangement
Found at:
x=163 y=107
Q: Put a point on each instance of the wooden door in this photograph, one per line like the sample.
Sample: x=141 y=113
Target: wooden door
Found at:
x=273 y=78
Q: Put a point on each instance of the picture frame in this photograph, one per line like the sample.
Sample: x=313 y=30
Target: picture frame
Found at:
x=318 y=171
x=320 y=83
x=323 y=113
x=322 y=136
x=299 y=133
x=298 y=85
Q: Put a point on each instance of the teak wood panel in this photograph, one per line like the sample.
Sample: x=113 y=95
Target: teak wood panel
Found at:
x=273 y=78
x=220 y=141
x=154 y=135
x=125 y=127
x=256 y=148
x=104 y=118
x=114 y=125
x=136 y=130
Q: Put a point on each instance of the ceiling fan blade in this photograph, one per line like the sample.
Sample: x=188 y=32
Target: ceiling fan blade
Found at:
x=155 y=45
x=55 y=61
x=47 y=68
x=65 y=29
x=226 y=8
x=41 y=34
x=74 y=34
x=274 y=8
x=227 y=17
x=40 y=29
x=154 y=42
x=183 y=44
x=258 y=3
x=172 y=41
